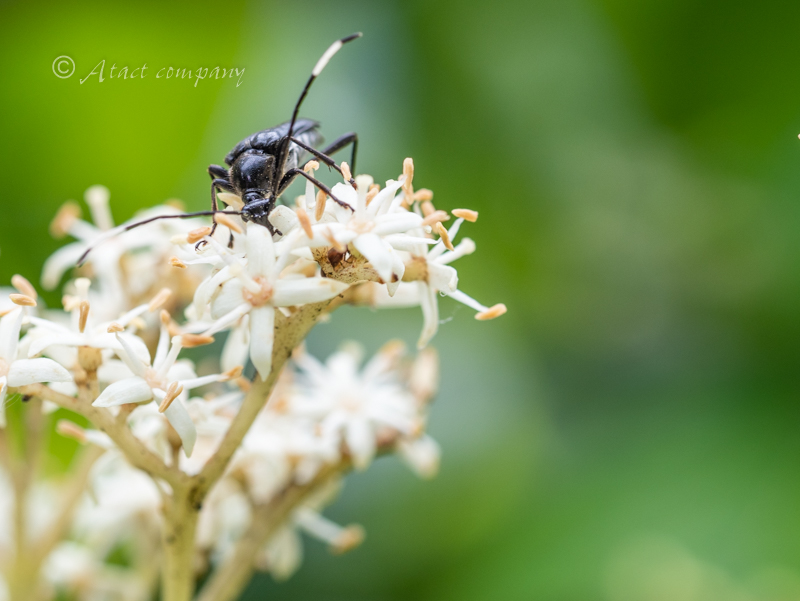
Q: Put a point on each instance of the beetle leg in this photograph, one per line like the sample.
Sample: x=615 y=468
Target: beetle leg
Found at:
x=342 y=142
x=217 y=172
x=338 y=144
x=292 y=173
x=216 y=183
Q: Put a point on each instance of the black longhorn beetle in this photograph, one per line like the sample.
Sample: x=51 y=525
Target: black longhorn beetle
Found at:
x=264 y=164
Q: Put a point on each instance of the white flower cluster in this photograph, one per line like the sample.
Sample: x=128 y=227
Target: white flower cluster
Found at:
x=114 y=354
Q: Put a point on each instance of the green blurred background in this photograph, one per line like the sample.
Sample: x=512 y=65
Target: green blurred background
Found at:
x=629 y=430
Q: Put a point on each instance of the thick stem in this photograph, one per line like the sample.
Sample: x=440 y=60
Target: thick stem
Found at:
x=229 y=579
x=180 y=523
x=289 y=332
x=135 y=451
x=182 y=510
x=23 y=582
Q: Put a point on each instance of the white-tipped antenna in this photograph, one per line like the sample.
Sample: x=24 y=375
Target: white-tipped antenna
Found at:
x=328 y=55
x=126 y=227
x=323 y=60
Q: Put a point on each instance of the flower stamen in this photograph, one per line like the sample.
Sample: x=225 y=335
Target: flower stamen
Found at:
x=229 y=223
x=436 y=216
x=321 y=200
x=466 y=214
x=84 y=316
x=173 y=392
x=198 y=234
x=305 y=222
x=23 y=286
x=445 y=237
x=23 y=300
x=492 y=312
x=194 y=340
x=159 y=299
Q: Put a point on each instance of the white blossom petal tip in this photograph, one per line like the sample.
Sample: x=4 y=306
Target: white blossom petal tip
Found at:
x=129 y=390
x=30 y=371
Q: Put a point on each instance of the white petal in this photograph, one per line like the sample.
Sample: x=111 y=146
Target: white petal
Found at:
x=260 y=251
x=430 y=314
x=398 y=269
x=177 y=415
x=113 y=370
x=169 y=360
x=283 y=554
x=10 y=325
x=228 y=298
x=323 y=232
x=422 y=455
x=391 y=287
x=41 y=344
x=306 y=290
x=228 y=319
x=384 y=198
x=408 y=243
x=283 y=219
x=406 y=295
x=3 y=389
x=207 y=288
x=262 y=335
x=304 y=252
x=162 y=348
x=396 y=223
x=64 y=258
x=361 y=442
x=237 y=346
x=134 y=344
x=67 y=388
x=182 y=369
x=130 y=390
x=345 y=193
x=376 y=252
x=128 y=354
x=29 y=371
x=442 y=277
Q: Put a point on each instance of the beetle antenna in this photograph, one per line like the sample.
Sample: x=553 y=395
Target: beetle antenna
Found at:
x=130 y=226
x=323 y=60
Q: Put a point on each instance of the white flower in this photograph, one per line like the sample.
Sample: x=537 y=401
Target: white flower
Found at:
x=119 y=495
x=438 y=277
x=280 y=448
x=82 y=332
x=164 y=381
x=354 y=406
x=283 y=553
x=21 y=372
x=258 y=288
x=143 y=248
x=375 y=230
x=69 y=565
x=422 y=455
x=212 y=418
